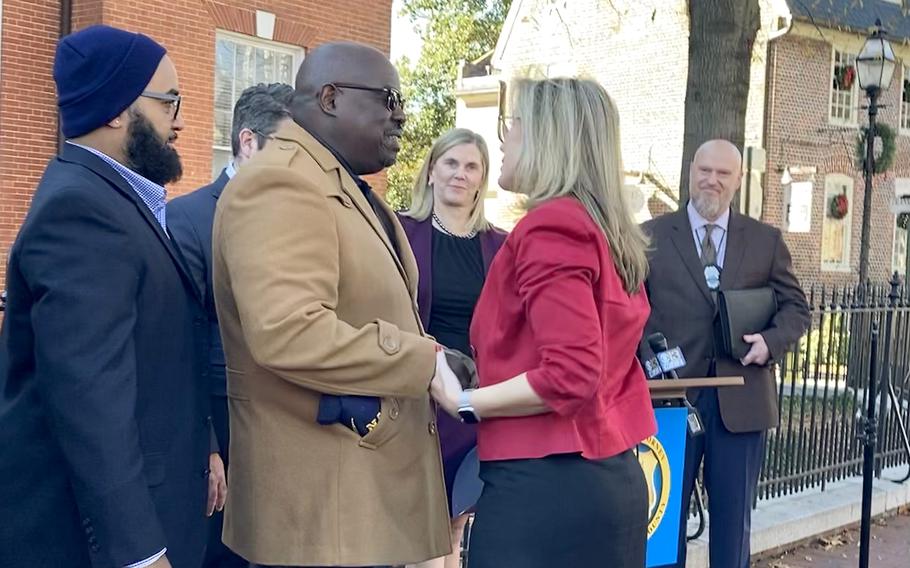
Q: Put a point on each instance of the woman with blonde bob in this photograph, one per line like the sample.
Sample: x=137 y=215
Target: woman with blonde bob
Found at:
x=454 y=245
x=562 y=399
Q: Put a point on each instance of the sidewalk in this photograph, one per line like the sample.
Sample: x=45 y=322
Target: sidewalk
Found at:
x=793 y=519
x=890 y=548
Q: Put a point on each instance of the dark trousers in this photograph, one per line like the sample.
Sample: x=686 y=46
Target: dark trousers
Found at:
x=732 y=464
x=217 y=555
x=561 y=511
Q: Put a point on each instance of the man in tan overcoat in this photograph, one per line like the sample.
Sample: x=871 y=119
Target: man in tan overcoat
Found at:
x=315 y=287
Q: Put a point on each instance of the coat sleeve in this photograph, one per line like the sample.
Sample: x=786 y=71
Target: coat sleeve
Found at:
x=555 y=273
x=83 y=279
x=792 y=318
x=279 y=244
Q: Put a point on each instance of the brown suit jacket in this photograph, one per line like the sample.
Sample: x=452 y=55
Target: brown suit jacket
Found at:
x=313 y=299
x=682 y=308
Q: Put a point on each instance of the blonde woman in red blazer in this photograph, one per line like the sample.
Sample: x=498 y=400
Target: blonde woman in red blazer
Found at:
x=562 y=398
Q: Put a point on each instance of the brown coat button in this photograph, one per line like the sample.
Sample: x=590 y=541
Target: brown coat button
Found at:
x=432 y=428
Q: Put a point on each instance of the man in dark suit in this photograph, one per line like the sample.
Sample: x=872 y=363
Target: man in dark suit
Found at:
x=259 y=112
x=103 y=416
x=690 y=250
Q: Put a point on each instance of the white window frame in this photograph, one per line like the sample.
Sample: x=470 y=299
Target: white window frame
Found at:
x=297 y=52
x=854 y=93
x=904 y=105
x=833 y=183
x=900 y=241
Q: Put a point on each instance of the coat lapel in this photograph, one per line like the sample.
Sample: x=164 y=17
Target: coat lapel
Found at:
x=295 y=133
x=77 y=155
x=733 y=257
x=685 y=246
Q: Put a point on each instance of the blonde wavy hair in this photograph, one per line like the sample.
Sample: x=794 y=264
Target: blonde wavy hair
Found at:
x=422 y=192
x=570 y=147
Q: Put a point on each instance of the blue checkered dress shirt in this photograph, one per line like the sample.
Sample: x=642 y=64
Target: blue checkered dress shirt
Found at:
x=152 y=194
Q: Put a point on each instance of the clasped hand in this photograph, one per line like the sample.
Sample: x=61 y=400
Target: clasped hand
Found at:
x=445 y=387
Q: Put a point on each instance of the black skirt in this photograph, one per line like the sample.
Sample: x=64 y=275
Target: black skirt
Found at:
x=561 y=511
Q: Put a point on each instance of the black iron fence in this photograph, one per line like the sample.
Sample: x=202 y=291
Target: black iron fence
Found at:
x=822 y=386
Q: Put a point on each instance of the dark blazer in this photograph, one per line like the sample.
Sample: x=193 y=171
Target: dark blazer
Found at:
x=103 y=426
x=682 y=307
x=420 y=235
x=189 y=220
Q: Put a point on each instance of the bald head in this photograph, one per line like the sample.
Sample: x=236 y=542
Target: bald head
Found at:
x=722 y=148
x=348 y=94
x=714 y=177
x=339 y=62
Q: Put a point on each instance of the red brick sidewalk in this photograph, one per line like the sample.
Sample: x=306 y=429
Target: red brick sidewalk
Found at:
x=890 y=548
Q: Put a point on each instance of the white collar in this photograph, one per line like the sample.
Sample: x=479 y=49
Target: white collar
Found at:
x=697 y=221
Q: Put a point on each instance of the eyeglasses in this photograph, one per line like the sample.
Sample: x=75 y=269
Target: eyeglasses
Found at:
x=505 y=124
x=504 y=121
x=173 y=100
x=394 y=100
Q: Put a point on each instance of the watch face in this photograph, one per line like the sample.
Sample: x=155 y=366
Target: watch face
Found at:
x=468 y=416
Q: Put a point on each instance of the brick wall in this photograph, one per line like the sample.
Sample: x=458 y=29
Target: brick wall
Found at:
x=187 y=28
x=28 y=115
x=799 y=135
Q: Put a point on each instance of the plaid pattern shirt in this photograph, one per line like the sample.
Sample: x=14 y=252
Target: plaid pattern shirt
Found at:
x=153 y=195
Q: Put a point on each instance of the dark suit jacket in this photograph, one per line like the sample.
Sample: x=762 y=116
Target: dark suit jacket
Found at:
x=103 y=426
x=682 y=308
x=189 y=220
x=420 y=236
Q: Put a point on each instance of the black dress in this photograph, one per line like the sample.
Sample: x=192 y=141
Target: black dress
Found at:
x=458 y=276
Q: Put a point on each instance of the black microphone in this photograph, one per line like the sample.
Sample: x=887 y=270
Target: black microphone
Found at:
x=668 y=359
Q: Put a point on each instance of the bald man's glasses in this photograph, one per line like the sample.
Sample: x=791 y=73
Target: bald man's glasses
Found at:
x=393 y=99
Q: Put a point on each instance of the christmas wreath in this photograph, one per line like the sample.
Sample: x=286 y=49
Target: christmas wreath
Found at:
x=886 y=158
x=844 y=77
x=839 y=206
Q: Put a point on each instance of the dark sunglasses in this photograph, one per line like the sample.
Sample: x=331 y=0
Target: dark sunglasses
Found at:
x=393 y=98
x=170 y=98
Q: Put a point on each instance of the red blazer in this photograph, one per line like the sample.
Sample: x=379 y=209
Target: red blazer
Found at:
x=554 y=306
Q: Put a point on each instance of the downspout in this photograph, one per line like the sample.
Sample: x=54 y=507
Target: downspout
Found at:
x=770 y=86
x=66 y=26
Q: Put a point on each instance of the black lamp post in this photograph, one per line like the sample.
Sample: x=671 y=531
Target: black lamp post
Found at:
x=874 y=70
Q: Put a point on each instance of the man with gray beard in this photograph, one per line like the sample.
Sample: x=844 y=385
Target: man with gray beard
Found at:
x=697 y=251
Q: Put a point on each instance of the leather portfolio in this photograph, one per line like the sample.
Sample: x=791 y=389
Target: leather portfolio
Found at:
x=742 y=312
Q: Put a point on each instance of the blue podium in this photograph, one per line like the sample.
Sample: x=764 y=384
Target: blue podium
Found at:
x=662 y=458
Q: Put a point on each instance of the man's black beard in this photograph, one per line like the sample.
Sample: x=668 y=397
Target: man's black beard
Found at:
x=148 y=156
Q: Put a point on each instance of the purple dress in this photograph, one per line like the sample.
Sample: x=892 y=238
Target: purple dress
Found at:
x=452 y=271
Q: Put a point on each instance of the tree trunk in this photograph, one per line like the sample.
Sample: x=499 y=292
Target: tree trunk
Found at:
x=721 y=35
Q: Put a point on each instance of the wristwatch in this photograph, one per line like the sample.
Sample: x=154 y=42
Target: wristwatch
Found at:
x=465 y=410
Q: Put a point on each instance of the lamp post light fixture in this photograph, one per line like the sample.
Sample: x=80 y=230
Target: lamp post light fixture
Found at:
x=874 y=69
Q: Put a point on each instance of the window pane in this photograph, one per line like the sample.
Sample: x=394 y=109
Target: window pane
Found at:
x=843 y=87
x=222 y=122
x=285 y=69
x=220 y=159
x=240 y=64
x=265 y=66
x=905 y=99
x=899 y=256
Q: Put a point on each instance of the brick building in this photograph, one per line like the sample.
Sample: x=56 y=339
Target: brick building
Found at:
x=219 y=47
x=802 y=122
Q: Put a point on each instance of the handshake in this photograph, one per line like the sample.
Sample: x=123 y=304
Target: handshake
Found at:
x=455 y=372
